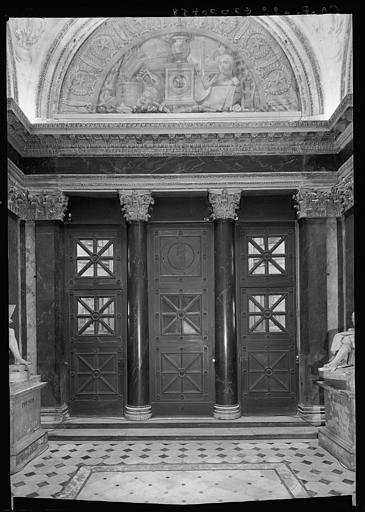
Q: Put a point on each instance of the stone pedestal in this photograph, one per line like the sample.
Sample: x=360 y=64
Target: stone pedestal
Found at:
x=27 y=439
x=338 y=436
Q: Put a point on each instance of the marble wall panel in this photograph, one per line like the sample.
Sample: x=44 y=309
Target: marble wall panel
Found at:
x=50 y=310
x=177 y=165
x=349 y=267
x=313 y=306
x=13 y=269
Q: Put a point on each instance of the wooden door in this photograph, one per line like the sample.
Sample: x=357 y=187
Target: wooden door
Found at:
x=95 y=331
x=181 y=319
x=266 y=298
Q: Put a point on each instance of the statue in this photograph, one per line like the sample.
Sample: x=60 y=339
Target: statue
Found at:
x=224 y=92
x=342 y=349
x=148 y=101
x=13 y=344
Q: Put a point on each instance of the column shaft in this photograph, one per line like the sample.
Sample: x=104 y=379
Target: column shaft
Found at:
x=137 y=346
x=225 y=329
x=313 y=315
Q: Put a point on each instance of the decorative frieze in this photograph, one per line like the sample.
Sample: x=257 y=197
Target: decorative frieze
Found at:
x=224 y=203
x=344 y=191
x=135 y=204
x=317 y=203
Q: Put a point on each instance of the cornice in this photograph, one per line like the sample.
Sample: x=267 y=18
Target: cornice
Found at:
x=346 y=169
x=111 y=183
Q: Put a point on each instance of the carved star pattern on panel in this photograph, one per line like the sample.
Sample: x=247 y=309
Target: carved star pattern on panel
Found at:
x=266 y=255
x=267 y=313
x=96 y=374
x=95 y=316
x=181 y=314
x=95 y=258
x=182 y=372
x=268 y=371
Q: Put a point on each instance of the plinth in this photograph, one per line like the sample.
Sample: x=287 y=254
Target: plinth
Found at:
x=338 y=436
x=27 y=439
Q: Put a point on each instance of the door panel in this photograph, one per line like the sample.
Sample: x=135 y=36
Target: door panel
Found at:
x=267 y=318
x=95 y=329
x=181 y=321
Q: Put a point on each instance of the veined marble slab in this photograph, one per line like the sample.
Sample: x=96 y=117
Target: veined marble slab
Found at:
x=195 y=483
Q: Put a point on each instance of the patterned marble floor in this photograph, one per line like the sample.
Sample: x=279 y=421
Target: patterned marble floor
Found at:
x=183 y=471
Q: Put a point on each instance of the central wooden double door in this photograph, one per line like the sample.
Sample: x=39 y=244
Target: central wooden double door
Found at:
x=181 y=306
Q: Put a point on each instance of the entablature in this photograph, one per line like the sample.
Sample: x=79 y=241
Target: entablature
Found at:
x=205 y=134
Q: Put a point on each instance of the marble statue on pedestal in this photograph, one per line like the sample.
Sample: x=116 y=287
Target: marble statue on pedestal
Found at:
x=342 y=349
x=13 y=344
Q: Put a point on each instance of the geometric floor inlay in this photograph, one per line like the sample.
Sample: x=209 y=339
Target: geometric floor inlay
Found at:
x=197 y=483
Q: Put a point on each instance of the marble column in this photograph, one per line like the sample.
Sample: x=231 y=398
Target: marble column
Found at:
x=48 y=212
x=135 y=207
x=318 y=293
x=224 y=204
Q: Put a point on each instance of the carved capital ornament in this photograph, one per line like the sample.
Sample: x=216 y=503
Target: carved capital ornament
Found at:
x=345 y=192
x=18 y=201
x=313 y=203
x=37 y=206
x=135 y=204
x=224 y=203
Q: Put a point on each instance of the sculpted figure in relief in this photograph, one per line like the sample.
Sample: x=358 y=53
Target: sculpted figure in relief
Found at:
x=342 y=352
x=13 y=344
x=224 y=92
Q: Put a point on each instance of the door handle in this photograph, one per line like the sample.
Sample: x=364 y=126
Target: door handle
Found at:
x=65 y=363
x=213 y=360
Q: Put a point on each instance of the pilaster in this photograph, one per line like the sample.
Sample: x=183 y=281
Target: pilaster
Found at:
x=317 y=212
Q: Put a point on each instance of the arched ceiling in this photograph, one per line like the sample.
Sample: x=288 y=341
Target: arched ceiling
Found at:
x=59 y=67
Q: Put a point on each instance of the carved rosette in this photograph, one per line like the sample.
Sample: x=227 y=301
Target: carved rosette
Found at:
x=317 y=203
x=48 y=205
x=345 y=192
x=224 y=203
x=18 y=201
x=135 y=204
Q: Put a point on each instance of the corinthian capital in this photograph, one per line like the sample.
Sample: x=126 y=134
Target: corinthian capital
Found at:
x=224 y=203
x=135 y=204
x=18 y=201
x=345 y=192
x=317 y=203
x=48 y=205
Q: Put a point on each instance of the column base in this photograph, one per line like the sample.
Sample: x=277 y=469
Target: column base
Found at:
x=138 y=413
x=227 y=412
x=54 y=415
x=313 y=414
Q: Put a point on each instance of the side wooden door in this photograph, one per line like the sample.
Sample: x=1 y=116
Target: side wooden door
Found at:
x=181 y=319
x=266 y=298
x=95 y=331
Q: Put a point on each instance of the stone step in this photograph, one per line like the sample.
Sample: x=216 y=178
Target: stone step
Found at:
x=187 y=433
x=183 y=422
